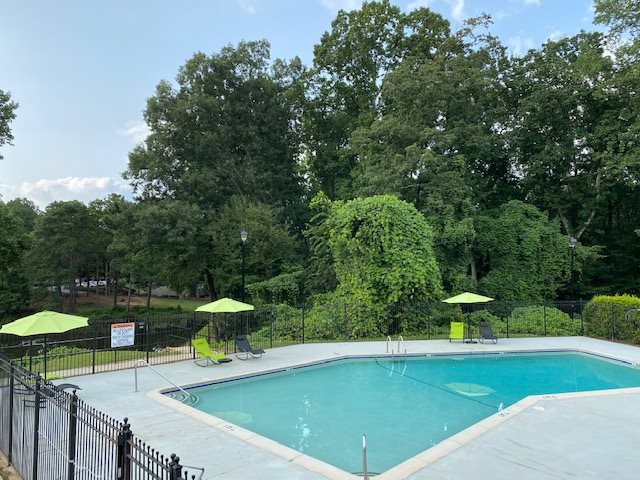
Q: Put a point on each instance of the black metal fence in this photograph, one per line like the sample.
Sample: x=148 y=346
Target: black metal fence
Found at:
x=47 y=433
x=166 y=338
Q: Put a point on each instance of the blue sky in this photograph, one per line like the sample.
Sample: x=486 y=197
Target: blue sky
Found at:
x=82 y=70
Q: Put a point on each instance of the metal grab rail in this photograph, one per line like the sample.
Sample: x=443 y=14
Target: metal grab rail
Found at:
x=400 y=339
x=135 y=373
x=627 y=316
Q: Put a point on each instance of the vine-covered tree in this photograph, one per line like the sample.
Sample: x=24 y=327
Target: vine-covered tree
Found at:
x=524 y=254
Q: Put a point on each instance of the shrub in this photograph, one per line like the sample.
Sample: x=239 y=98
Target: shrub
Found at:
x=285 y=323
x=538 y=320
x=604 y=317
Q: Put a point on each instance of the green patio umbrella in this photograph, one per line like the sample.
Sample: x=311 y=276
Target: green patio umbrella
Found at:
x=225 y=305
x=468 y=298
x=44 y=323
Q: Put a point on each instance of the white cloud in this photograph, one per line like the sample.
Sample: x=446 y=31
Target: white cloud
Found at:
x=346 y=5
x=136 y=131
x=556 y=35
x=248 y=6
x=519 y=45
x=419 y=4
x=457 y=9
x=85 y=189
x=532 y=2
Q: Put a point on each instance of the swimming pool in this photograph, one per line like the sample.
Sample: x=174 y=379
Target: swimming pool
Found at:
x=403 y=406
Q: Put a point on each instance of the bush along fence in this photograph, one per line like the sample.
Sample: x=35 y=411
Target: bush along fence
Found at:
x=46 y=433
x=156 y=339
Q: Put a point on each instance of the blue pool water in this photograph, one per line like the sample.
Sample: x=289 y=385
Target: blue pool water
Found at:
x=403 y=407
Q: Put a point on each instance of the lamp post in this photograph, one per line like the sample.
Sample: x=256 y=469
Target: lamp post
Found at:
x=243 y=238
x=572 y=247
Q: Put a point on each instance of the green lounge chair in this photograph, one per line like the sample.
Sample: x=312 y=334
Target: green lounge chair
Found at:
x=203 y=351
x=457 y=331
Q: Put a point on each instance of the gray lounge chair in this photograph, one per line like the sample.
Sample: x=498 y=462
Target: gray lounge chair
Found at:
x=485 y=333
x=245 y=350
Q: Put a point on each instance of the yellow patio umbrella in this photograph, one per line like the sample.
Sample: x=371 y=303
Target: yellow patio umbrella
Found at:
x=468 y=298
x=225 y=305
x=44 y=323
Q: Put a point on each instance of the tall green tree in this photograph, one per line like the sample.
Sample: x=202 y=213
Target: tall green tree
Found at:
x=63 y=245
x=7 y=114
x=561 y=102
x=224 y=131
x=350 y=64
x=26 y=210
x=438 y=143
x=14 y=243
x=270 y=250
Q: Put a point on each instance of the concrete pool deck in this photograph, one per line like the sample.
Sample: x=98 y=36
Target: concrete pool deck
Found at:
x=549 y=437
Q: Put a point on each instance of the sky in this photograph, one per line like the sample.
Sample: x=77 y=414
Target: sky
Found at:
x=82 y=70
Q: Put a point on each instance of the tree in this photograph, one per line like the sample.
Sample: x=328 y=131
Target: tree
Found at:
x=562 y=101
x=14 y=243
x=270 y=249
x=524 y=254
x=63 y=245
x=224 y=131
x=7 y=114
x=382 y=248
x=439 y=145
x=383 y=257
x=25 y=210
x=350 y=64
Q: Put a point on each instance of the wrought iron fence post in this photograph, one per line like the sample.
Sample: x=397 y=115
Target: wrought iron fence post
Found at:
x=581 y=319
x=73 y=420
x=175 y=469
x=36 y=426
x=507 y=322
x=544 y=316
x=11 y=390
x=303 y=305
x=613 y=323
x=146 y=337
x=124 y=451
x=94 y=343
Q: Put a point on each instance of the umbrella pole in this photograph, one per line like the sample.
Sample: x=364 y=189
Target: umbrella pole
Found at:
x=45 y=357
x=30 y=355
x=470 y=340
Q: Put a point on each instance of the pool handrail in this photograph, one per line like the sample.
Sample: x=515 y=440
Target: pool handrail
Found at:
x=135 y=374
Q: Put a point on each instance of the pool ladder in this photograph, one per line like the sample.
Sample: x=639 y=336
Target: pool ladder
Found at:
x=400 y=342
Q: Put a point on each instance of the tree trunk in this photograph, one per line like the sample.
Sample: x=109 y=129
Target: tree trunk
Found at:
x=115 y=289
x=148 y=295
x=210 y=285
x=472 y=263
x=129 y=294
x=72 y=295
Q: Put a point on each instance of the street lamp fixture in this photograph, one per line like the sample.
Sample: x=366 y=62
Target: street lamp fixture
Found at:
x=572 y=248
x=243 y=237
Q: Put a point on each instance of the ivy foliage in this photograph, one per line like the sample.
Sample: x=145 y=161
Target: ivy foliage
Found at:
x=382 y=255
x=524 y=253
